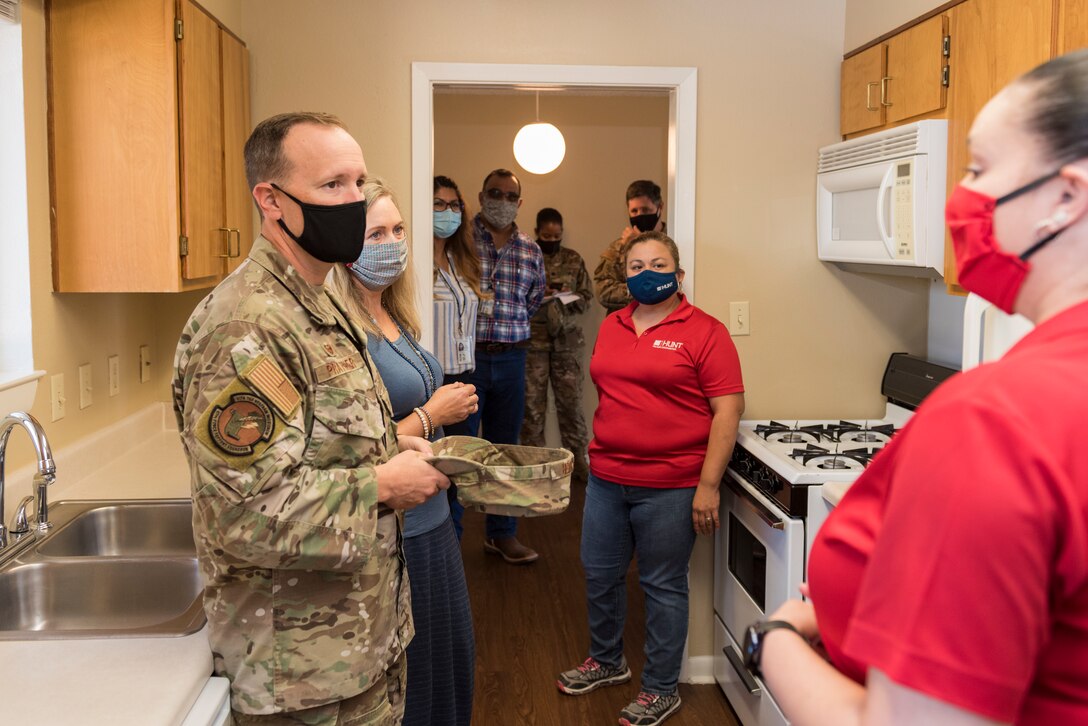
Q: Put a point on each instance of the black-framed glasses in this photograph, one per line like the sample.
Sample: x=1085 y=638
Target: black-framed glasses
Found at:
x=496 y=193
x=440 y=205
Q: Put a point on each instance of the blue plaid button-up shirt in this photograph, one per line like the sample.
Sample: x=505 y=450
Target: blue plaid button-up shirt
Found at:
x=515 y=274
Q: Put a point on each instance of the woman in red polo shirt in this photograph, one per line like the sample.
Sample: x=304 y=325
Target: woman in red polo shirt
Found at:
x=671 y=396
x=950 y=586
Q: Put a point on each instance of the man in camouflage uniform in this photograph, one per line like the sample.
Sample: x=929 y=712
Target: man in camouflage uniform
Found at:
x=557 y=345
x=644 y=215
x=294 y=456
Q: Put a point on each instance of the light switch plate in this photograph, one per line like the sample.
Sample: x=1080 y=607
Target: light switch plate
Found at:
x=145 y=364
x=56 y=396
x=739 y=322
x=115 y=375
x=85 y=386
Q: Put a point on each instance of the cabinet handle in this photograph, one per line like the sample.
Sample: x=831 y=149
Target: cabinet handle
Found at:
x=869 y=96
x=238 y=242
x=232 y=251
x=884 y=91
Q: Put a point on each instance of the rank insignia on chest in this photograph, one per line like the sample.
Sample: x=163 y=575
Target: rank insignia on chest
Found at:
x=244 y=422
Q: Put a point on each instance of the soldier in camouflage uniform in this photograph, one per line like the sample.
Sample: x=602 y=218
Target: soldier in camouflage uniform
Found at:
x=557 y=345
x=297 y=480
x=644 y=215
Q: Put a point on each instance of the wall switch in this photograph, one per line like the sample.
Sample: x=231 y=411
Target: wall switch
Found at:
x=145 y=364
x=56 y=396
x=85 y=386
x=739 y=324
x=115 y=375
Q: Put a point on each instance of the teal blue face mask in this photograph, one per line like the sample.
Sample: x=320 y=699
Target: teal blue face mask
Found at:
x=446 y=223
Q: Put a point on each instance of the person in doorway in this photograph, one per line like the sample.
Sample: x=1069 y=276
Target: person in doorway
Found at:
x=380 y=290
x=512 y=275
x=644 y=210
x=950 y=585
x=671 y=397
x=457 y=295
x=297 y=480
x=557 y=344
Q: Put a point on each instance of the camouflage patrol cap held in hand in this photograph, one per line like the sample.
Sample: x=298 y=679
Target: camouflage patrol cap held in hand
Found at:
x=516 y=481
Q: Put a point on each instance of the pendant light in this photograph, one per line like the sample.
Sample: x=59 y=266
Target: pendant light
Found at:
x=539 y=147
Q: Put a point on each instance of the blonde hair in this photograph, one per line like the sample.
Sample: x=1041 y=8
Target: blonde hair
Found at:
x=654 y=237
x=399 y=299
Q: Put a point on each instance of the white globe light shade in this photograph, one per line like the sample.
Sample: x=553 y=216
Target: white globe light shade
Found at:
x=539 y=148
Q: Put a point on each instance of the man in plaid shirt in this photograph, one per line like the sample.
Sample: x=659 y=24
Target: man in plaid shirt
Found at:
x=512 y=271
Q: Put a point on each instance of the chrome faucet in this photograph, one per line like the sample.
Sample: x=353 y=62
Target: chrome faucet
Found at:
x=46 y=475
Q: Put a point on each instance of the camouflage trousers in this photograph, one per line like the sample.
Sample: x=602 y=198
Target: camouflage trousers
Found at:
x=381 y=705
x=563 y=369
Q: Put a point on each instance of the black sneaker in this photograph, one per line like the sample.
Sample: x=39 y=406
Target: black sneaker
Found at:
x=591 y=675
x=649 y=709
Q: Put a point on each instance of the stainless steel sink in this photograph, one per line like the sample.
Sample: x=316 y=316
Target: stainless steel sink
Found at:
x=101 y=598
x=107 y=569
x=144 y=528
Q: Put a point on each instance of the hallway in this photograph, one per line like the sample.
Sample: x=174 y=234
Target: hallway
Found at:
x=535 y=619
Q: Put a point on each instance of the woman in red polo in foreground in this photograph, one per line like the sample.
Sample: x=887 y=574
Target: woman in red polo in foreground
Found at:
x=950 y=586
x=671 y=396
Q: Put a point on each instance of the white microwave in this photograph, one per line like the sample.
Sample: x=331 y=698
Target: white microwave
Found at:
x=880 y=200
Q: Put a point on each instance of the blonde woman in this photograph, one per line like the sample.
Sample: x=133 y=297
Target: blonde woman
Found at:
x=379 y=295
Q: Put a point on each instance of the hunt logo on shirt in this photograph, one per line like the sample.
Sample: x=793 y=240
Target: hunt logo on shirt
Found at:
x=668 y=344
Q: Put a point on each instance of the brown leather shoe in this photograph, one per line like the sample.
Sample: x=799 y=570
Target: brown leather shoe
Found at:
x=514 y=552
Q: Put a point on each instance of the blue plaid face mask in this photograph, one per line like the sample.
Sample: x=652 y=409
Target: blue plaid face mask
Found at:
x=380 y=264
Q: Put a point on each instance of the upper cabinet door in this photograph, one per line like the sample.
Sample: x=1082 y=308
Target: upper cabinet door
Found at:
x=916 y=60
x=1073 y=25
x=201 y=98
x=860 y=101
x=237 y=196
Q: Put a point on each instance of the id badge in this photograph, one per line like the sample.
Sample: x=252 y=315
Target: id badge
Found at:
x=487 y=308
x=461 y=350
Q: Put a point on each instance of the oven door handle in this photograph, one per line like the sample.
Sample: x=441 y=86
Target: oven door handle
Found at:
x=734 y=660
x=757 y=506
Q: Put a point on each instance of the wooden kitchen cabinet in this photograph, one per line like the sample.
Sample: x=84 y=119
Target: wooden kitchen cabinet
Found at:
x=1072 y=25
x=149 y=111
x=993 y=42
x=896 y=80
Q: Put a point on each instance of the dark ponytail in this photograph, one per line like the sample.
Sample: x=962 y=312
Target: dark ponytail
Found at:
x=1059 y=108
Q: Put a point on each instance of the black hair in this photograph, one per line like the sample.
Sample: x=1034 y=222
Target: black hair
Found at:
x=505 y=173
x=644 y=188
x=1058 y=111
x=546 y=215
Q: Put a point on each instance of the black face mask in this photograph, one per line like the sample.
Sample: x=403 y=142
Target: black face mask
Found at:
x=549 y=246
x=645 y=222
x=330 y=232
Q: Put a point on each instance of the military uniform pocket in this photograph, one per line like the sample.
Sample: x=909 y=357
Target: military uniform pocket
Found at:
x=348 y=427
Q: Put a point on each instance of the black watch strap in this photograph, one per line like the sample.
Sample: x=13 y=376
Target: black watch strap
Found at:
x=753 y=642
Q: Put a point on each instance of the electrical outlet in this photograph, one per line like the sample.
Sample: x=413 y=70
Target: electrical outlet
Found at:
x=56 y=396
x=115 y=375
x=85 y=386
x=739 y=323
x=145 y=364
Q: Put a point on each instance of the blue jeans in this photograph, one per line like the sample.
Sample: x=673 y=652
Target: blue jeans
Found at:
x=500 y=383
x=617 y=522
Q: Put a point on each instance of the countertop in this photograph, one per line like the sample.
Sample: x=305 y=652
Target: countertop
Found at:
x=120 y=681
x=833 y=491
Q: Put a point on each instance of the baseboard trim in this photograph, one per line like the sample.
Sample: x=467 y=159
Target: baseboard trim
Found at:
x=698 y=670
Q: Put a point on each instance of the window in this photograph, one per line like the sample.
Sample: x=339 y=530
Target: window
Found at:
x=17 y=374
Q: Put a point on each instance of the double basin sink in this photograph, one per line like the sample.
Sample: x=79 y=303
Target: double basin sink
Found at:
x=106 y=569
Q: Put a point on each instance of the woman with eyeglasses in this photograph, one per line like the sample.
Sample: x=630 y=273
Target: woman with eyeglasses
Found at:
x=379 y=295
x=457 y=297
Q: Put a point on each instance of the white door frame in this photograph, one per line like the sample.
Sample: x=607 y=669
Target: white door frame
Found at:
x=681 y=83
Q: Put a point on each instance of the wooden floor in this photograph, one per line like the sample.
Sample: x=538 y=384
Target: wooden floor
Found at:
x=531 y=624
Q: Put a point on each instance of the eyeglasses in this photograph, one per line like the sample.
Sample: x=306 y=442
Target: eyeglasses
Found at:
x=441 y=205
x=494 y=193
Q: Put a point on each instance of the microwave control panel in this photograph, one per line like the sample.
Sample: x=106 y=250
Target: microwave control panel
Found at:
x=903 y=214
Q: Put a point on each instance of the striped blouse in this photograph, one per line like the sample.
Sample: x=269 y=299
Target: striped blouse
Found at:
x=455 y=306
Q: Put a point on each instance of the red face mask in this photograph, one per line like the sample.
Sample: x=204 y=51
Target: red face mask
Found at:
x=984 y=268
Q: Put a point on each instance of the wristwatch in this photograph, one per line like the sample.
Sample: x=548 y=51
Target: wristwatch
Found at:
x=753 y=642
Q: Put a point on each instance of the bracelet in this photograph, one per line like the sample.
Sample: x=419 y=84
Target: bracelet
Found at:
x=425 y=420
x=430 y=423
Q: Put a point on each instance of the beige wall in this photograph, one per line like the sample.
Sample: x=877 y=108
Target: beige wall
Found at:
x=870 y=19
x=610 y=139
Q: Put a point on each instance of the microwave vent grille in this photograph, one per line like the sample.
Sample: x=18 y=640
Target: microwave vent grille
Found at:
x=865 y=150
